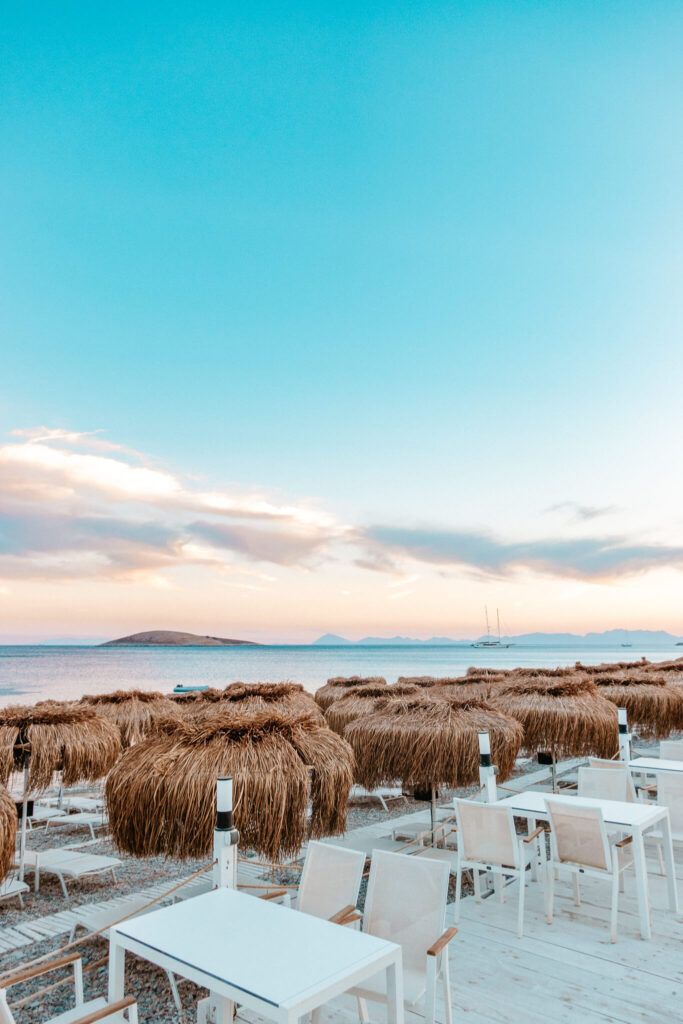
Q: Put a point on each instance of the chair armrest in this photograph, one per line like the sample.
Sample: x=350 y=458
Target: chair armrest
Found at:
x=34 y=972
x=533 y=835
x=342 y=914
x=274 y=895
x=624 y=842
x=647 y=789
x=106 y=1011
x=449 y=934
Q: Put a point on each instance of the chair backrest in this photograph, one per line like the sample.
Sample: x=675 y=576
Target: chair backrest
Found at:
x=670 y=794
x=671 y=750
x=578 y=835
x=330 y=879
x=604 y=784
x=406 y=903
x=620 y=766
x=486 y=833
x=5 y=1012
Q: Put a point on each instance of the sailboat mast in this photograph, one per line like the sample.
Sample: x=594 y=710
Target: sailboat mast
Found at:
x=486 y=612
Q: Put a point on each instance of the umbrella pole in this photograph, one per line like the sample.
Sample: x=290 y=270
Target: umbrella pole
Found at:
x=22 y=841
x=554 y=772
x=432 y=796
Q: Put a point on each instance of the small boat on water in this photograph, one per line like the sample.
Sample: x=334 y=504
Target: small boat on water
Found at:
x=627 y=645
x=189 y=689
x=491 y=641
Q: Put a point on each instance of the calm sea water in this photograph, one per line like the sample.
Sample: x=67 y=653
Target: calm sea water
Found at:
x=32 y=673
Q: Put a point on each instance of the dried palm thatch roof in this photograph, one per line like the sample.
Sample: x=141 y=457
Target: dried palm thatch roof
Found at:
x=563 y=671
x=422 y=739
x=254 y=697
x=462 y=687
x=565 y=716
x=653 y=706
x=477 y=670
x=611 y=666
x=363 y=701
x=8 y=831
x=336 y=687
x=134 y=712
x=161 y=796
x=74 y=740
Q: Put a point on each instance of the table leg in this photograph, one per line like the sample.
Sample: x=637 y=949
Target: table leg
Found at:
x=117 y=964
x=395 y=1013
x=222 y=1010
x=668 y=850
x=641 y=883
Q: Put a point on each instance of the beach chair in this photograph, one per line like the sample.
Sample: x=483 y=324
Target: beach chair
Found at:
x=91 y=1011
x=11 y=888
x=330 y=880
x=487 y=841
x=383 y=794
x=603 y=764
x=406 y=903
x=82 y=819
x=669 y=795
x=671 y=750
x=606 y=784
x=67 y=863
x=580 y=844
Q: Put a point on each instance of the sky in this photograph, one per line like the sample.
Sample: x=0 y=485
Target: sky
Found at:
x=351 y=319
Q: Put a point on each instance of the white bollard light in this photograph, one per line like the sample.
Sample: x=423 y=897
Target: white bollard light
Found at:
x=225 y=837
x=624 y=736
x=487 y=771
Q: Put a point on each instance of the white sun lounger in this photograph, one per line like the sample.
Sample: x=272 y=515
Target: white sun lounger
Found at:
x=68 y=864
x=77 y=820
x=12 y=888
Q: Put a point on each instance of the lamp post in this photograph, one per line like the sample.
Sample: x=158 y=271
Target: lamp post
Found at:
x=225 y=837
x=487 y=771
x=624 y=736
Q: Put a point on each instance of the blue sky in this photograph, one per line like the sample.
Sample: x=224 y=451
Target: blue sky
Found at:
x=417 y=264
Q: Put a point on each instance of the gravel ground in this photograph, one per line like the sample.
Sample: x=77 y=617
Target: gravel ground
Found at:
x=147 y=982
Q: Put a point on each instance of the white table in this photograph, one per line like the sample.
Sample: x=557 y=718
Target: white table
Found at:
x=279 y=962
x=652 y=765
x=633 y=818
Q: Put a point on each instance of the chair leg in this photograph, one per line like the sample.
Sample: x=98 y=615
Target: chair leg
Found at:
x=458 y=891
x=430 y=993
x=550 y=891
x=520 y=909
x=615 y=901
x=63 y=884
x=577 y=891
x=476 y=881
x=363 y=1015
x=660 y=858
x=174 y=992
x=445 y=980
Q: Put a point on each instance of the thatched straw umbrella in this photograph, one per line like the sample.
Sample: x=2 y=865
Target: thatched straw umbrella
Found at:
x=611 y=666
x=652 y=705
x=464 y=687
x=134 y=712
x=46 y=739
x=362 y=701
x=566 y=717
x=8 y=831
x=161 y=794
x=336 y=687
x=287 y=697
x=430 y=739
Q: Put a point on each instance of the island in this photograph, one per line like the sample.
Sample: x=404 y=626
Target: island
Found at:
x=172 y=638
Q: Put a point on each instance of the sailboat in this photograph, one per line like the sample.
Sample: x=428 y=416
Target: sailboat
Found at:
x=491 y=641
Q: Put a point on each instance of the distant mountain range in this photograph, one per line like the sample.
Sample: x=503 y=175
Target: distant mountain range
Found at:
x=609 y=638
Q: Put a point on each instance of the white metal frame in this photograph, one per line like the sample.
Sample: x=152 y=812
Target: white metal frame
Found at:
x=527 y=852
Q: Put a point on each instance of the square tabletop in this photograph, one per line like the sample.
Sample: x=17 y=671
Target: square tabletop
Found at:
x=655 y=764
x=615 y=812
x=265 y=950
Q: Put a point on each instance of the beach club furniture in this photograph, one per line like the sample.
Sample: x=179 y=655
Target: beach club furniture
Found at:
x=579 y=844
x=605 y=783
x=383 y=794
x=67 y=863
x=406 y=901
x=82 y=819
x=266 y=957
x=632 y=819
x=12 y=888
x=603 y=764
x=91 y=1011
x=487 y=841
x=671 y=750
x=330 y=879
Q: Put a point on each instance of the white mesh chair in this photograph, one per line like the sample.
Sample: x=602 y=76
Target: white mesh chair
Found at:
x=671 y=750
x=606 y=784
x=83 y=1012
x=487 y=841
x=618 y=767
x=669 y=795
x=406 y=903
x=330 y=880
x=579 y=844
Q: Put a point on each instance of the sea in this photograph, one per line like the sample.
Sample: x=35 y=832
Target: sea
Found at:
x=31 y=673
